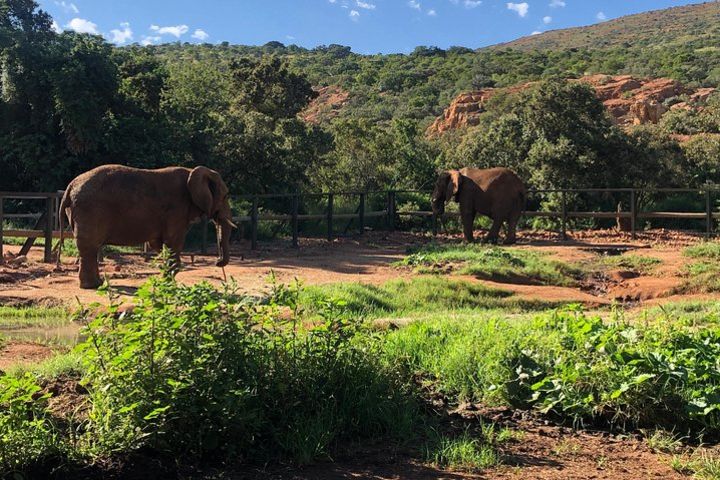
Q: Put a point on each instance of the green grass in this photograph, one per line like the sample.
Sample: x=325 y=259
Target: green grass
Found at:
x=688 y=313
x=663 y=442
x=26 y=317
x=633 y=262
x=462 y=453
x=703 y=275
x=422 y=295
x=63 y=364
x=492 y=263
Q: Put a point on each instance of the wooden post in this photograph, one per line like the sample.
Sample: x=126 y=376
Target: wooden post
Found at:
x=633 y=214
x=330 y=217
x=708 y=214
x=361 y=214
x=203 y=245
x=295 y=208
x=48 y=228
x=563 y=220
x=391 y=211
x=2 y=222
x=254 y=224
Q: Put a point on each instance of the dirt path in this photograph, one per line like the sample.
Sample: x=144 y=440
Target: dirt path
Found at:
x=369 y=260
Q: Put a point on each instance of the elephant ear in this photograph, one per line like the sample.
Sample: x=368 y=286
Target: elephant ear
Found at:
x=453 y=186
x=203 y=185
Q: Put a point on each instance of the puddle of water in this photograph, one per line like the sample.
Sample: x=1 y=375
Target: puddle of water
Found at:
x=64 y=335
x=609 y=251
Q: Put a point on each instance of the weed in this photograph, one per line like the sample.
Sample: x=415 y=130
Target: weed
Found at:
x=635 y=263
x=663 y=442
x=464 y=452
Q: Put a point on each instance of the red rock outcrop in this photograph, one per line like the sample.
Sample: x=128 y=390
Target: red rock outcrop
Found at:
x=326 y=105
x=629 y=100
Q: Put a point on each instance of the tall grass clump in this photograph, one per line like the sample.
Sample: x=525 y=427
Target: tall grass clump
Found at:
x=491 y=262
x=575 y=367
x=203 y=375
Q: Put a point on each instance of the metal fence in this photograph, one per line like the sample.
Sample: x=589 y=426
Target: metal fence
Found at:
x=46 y=221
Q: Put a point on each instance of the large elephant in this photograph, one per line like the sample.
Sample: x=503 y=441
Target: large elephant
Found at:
x=497 y=193
x=119 y=205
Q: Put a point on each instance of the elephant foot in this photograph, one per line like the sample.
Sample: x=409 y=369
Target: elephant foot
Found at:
x=510 y=241
x=490 y=241
x=90 y=285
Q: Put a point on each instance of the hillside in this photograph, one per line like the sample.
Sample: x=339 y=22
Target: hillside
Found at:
x=673 y=26
x=629 y=101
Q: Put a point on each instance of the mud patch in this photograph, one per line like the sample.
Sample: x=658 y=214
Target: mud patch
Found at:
x=23 y=353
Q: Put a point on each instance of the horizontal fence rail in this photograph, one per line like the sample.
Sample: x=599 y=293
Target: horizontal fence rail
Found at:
x=47 y=220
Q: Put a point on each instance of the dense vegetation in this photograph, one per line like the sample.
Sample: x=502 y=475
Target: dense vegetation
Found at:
x=218 y=379
x=71 y=101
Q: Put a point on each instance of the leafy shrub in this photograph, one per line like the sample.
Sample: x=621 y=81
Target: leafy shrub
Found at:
x=574 y=366
x=26 y=435
x=201 y=374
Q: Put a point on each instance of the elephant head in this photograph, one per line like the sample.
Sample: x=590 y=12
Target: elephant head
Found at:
x=447 y=187
x=210 y=194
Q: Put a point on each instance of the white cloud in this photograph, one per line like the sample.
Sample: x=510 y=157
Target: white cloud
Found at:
x=520 y=8
x=121 y=36
x=432 y=13
x=547 y=20
x=176 y=31
x=150 y=40
x=354 y=15
x=68 y=7
x=601 y=16
x=366 y=6
x=557 y=4
x=200 y=34
x=80 y=25
x=414 y=4
x=536 y=32
x=56 y=27
x=332 y=1
x=472 y=3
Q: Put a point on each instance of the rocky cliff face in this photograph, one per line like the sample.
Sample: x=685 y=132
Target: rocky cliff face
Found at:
x=326 y=106
x=629 y=100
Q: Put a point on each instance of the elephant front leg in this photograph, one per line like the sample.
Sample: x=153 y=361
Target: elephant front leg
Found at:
x=468 y=221
x=492 y=236
x=512 y=223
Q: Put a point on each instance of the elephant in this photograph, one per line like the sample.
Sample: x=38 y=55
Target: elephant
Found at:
x=497 y=193
x=120 y=205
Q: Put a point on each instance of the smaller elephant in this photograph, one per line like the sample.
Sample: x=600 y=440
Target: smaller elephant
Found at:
x=497 y=193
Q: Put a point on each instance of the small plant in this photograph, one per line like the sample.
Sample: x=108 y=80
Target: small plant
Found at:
x=463 y=452
x=636 y=263
x=663 y=442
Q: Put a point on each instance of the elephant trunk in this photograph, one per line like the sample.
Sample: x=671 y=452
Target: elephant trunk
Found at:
x=223 y=228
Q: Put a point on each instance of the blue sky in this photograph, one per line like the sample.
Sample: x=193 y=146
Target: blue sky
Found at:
x=368 y=26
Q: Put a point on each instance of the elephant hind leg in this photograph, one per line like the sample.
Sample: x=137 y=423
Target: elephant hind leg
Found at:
x=492 y=236
x=512 y=223
x=89 y=269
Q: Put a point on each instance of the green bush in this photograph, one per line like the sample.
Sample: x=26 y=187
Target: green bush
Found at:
x=201 y=374
x=27 y=436
x=574 y=366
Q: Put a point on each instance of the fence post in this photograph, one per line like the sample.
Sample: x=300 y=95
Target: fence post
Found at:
x=2 y=240
x=254 y=224
x=391 y=211
x=48 y=228
x=563 y=221
x=295 y=207
x=633 y=214
x=362 y=213
x=330 y=217
x=708 y=213
x=203 y=244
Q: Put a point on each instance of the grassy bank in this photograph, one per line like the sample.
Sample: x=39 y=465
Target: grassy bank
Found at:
x=492 y=263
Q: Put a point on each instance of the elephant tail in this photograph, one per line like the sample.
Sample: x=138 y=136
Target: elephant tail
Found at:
x=63 y=212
